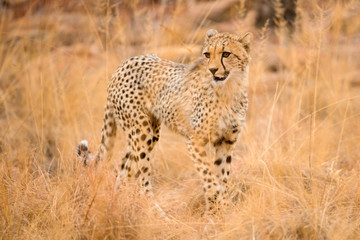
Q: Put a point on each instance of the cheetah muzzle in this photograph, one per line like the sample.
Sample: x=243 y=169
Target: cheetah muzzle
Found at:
x=147 y=91
x=220 y=79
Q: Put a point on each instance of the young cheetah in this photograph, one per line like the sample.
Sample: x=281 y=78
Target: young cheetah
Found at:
x=205 y=101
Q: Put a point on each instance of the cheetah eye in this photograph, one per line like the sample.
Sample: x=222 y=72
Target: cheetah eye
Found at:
x=226 y=54
x=207 y=55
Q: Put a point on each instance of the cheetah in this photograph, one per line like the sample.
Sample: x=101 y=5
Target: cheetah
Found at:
x=205 y=101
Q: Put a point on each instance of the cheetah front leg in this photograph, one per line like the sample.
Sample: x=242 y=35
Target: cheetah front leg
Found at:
x=211 y=187
x=222 y=165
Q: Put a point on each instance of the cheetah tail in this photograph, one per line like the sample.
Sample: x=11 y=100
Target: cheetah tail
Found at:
x=84 y=154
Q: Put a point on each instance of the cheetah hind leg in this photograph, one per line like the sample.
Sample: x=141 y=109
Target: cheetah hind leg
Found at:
x=136 y=163
x=127 y=167
x=127 y=170
x=130 y=165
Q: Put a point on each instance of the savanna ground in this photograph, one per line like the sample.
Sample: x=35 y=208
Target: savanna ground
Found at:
x=296 y=167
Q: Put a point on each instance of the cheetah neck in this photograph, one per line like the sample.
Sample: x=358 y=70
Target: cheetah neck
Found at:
x=232 y=90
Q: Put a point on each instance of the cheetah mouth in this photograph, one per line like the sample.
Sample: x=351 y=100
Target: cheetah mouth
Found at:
x=220 y=79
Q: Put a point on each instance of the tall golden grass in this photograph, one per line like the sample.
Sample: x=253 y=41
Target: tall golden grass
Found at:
x=296 y=167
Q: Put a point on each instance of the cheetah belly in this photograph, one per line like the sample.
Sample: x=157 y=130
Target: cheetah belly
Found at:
x=171 y=104
x=174 y=114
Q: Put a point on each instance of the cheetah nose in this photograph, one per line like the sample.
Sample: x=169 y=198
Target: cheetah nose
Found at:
x=213 y=70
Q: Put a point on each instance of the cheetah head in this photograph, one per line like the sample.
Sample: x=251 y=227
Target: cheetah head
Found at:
x=226 y=54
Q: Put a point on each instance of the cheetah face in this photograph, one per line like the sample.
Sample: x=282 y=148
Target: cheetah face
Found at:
x=226 y=54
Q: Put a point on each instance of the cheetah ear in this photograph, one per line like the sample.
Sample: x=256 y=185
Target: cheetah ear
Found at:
x=246 y=40
x=210 y=33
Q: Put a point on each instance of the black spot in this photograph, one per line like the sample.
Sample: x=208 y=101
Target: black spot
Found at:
x=143 y=137
x=142 y=155
x=122 y=166
x=203 y=154
x=205 y=171
x=219 y=141
x=145 y=169
x=218 y=162
x=228 y=159
x=155 y=139
x=149 y=142
x=147 y=183
x=223 y=171
x=79 y=152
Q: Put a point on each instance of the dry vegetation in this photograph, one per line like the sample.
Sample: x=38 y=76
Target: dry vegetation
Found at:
x=296 y=167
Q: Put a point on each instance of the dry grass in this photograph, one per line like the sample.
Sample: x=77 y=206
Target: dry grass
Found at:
x=296 y=167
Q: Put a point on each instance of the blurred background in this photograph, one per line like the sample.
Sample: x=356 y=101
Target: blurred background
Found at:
x=296 y=165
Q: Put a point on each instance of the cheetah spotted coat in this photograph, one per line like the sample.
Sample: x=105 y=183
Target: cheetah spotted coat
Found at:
x=205 y=101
